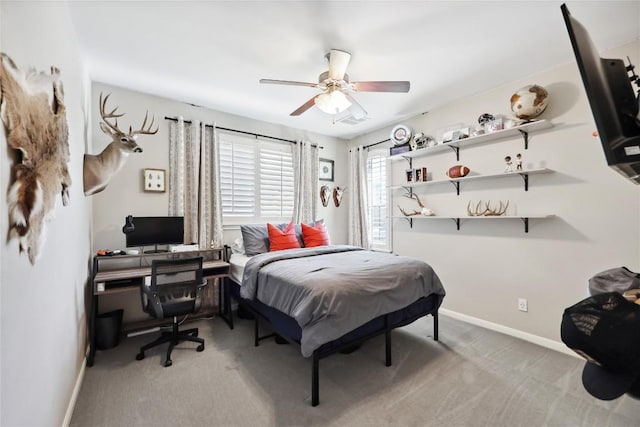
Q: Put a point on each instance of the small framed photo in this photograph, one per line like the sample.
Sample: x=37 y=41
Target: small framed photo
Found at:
x=154 y=180
x=325 y=170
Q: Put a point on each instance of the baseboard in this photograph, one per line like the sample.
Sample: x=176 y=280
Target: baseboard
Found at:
x=544 y=342
x=74 y=396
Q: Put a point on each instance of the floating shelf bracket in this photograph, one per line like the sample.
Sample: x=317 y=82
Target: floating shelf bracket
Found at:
x=525 y=177
x=457 y=185
x=525 y=136
x=409 y=160
x=456 y=149
x=457 y=221
x=526 y=224
x=410 y=221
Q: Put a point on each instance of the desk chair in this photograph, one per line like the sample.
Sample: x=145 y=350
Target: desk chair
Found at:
x=176 y=289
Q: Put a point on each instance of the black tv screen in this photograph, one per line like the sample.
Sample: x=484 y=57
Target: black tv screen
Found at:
x=612 y=99
x=155 y=230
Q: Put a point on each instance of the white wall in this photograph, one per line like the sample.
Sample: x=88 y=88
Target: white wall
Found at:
x=125 y=195
x=43 y=306
x=487 y=265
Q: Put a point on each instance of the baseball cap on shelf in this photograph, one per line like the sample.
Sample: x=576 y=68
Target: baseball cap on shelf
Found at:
x=605 y=330
x=619 y=279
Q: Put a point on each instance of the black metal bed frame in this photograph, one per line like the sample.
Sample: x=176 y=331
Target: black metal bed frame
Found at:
x=327 y=349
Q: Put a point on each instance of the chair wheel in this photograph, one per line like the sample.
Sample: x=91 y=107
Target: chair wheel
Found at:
x=200 y=347
x=140 y=355
x=168 y=363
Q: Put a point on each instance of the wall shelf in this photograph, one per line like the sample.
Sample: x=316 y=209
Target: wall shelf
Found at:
x=456 y=181
x=522 y=130
x=525 y=219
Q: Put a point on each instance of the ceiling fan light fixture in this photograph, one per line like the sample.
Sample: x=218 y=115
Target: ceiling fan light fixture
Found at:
x=332 y=102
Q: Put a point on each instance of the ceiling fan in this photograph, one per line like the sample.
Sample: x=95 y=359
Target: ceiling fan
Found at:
x=336 y=87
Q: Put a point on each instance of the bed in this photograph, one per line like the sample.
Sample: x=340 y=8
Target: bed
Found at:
x=332 y=298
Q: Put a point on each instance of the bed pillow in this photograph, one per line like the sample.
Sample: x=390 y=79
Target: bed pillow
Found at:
x=282 y=239
x=316 y=235
x=237 y=247
x=255 y=239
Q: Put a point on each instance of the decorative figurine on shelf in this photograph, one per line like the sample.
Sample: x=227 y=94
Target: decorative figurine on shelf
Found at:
x=519 y=162
x=508 y=161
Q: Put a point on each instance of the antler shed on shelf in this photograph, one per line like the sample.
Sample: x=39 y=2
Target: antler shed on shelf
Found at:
x=414 y=196
x=487 y=211
x=423 y=210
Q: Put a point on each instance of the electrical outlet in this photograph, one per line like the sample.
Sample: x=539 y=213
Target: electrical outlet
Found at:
x=522 y=304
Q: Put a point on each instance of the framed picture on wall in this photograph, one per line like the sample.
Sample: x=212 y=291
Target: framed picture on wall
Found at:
x=154 y=180
x=325 y=170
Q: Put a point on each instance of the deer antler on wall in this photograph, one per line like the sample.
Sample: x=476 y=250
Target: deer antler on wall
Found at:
x=34 y=115
x=98 y=169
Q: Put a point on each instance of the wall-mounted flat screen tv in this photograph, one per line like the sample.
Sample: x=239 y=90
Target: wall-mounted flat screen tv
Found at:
x=612 y=99
x=154 y=231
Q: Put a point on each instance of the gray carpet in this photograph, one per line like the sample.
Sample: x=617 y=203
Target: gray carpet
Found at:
x=471 y=377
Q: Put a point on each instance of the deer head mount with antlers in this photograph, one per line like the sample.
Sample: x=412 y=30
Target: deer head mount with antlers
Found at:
x=98 y=169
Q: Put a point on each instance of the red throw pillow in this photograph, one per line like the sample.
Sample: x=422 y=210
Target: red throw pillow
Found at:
x=315 y=235
x=282 y=239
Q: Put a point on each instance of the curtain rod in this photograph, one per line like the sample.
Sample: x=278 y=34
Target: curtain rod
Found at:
x=375 y=143
x=246 y=133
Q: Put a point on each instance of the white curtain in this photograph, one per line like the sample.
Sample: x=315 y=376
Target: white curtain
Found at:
x=194 y=190
x=358 y=203
x=305 y=182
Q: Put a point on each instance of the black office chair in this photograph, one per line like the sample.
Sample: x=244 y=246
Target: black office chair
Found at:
x=176 y=289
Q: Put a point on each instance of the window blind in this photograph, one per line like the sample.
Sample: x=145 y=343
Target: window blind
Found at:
x=256 y=179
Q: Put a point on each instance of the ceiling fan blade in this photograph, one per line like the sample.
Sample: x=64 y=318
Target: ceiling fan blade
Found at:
x=338 y=61
x=288 y=82
x=400 y=86
x=356 y=110
x=304 y=107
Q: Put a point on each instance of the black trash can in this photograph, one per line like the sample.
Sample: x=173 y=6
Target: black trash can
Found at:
x=108 y=327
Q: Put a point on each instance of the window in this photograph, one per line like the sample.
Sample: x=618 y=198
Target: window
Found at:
x=256 y=179
x=378 y=200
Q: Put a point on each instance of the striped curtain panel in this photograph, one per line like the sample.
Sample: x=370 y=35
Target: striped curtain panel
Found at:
x=305 y=182
x=358 y=203
x=194 y=177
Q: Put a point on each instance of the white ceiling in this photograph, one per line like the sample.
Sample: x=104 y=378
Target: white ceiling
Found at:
x=212 y=53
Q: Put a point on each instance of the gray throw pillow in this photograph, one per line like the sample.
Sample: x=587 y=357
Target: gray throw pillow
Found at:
x=255 y=238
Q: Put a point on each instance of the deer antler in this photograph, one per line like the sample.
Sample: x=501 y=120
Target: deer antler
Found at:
x=478 y=211
x=405 y=213
x=144 y=131
x=111 y=115
x=498 y=211
x=414 y=196
x=114 y=126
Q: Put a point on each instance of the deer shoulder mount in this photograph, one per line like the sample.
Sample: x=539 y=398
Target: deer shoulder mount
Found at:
x=34 y=116
x=98 y=169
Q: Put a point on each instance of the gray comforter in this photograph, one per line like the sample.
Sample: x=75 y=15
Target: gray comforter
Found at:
x=331 y=290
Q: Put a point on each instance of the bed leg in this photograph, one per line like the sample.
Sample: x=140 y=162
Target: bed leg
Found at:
x=387 y=342
x=315 y=379
x=435 y=326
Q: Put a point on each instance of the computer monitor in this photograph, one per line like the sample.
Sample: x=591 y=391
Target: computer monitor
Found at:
x=154 y=231
x=612 y=99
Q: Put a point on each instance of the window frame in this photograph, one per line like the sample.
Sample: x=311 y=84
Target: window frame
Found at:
x=387 y=245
